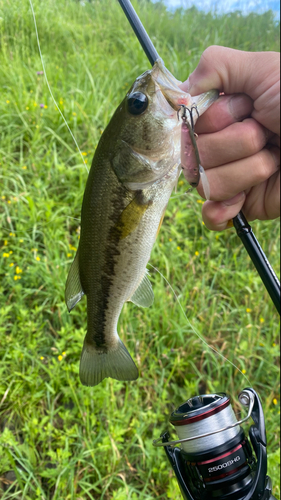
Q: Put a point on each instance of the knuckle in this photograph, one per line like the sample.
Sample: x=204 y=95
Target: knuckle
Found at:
x=264 y=165
x=209 y=53
x=212 y=214
x=254 y=138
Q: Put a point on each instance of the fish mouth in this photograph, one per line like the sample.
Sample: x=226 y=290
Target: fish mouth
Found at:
x=169 y=86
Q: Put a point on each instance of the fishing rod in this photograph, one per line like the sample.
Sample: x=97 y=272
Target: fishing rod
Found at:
x=216 y=460
x=240 y=223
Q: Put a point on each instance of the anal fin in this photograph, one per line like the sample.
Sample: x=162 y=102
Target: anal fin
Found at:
x=143 y=296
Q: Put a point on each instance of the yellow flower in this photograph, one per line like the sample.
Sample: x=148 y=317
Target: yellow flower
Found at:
x=74 y=114
x=18 y=270
x=203 y=223
x=243 y=371
x=21 y=240
x=178 y=248
x=273 y=345
x=38 y=258
x=27 y=108
x=9 y=201
x=248 y=310
x=60 y=357
x=5 y=242
x=42 y=357
x=84 y=153
x=200 y=201
x=12 y=234
x=17 y=278
x=12 y=264
x=170 y=239
x=69 y=254
x=6 y=254
x=8 y=102
x=11 y=251
x=45 y=106
x=196 y=253
x=35 y=104
x=3 y=197
x=64 y=353
x=275 y=402
x=261 y=320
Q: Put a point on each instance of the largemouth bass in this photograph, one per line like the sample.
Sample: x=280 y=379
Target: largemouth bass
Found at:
x=134 y=170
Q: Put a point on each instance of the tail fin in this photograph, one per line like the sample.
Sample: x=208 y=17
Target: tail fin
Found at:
x=95 y=365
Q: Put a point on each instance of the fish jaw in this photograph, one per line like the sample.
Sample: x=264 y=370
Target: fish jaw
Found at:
x=169 y=86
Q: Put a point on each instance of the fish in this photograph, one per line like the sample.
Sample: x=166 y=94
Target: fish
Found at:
x=134 y=170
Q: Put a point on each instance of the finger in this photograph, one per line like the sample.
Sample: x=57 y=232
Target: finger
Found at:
x=225 y=111
x=239 y=140
x=234 y=71
x=216 y=215
x=228 y=180
x=263 y=201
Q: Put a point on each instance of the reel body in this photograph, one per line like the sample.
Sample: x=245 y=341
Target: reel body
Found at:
x=216 y=460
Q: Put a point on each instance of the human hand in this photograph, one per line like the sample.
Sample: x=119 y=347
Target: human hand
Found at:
x=239 y=135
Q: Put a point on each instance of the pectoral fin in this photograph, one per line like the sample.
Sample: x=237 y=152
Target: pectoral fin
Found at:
x=161 y=221
x=132 y=215
x=73 y=288
x=143 y=295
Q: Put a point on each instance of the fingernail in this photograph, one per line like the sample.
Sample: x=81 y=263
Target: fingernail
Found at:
x=232 y=201
x=238 y=107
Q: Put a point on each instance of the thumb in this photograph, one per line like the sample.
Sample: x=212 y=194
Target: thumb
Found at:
x=234 y=71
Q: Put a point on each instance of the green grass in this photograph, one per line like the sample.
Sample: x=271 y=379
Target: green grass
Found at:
x=60 y=439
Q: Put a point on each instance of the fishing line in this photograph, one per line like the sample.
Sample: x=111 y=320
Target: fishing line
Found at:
x=48 y=85
x=195 y=331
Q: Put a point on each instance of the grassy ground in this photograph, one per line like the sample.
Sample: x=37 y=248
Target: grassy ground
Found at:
x=58 y=438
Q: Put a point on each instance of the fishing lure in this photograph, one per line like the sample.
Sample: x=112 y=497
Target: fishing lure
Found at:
x=190 y=160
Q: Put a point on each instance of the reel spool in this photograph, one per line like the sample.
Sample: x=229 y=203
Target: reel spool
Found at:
x=216 y=459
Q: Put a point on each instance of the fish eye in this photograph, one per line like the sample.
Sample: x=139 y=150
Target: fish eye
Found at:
x=137 y=103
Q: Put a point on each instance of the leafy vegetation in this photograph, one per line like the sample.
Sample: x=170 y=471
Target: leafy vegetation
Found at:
x=58 y=438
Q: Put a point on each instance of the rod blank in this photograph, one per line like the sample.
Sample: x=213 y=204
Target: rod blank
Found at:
x=139 y=30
